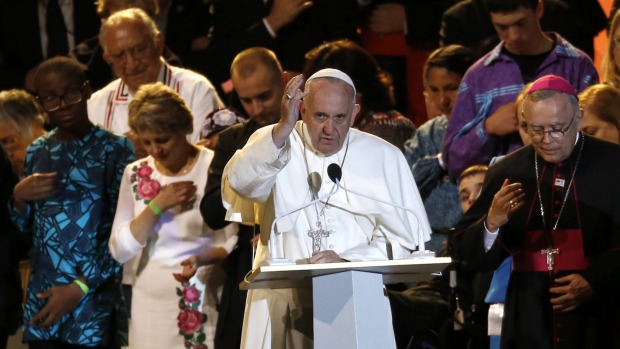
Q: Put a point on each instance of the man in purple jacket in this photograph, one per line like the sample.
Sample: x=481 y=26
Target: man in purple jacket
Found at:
x=484 y=123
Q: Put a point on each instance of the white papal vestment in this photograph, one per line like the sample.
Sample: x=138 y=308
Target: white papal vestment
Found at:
x=265 y=182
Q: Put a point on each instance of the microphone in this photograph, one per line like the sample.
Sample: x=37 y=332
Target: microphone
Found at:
x=335 y=174
x=274 y=259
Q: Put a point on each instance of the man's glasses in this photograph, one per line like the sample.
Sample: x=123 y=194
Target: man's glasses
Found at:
x=72 y=96
x=138 y=53
x=538 y=133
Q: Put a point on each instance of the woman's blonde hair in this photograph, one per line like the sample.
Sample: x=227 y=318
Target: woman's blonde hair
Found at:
x=603 y=101
x=157 y=107
x=611 y=73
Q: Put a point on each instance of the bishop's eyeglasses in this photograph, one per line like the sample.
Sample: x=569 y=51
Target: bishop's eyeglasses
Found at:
x=538 y=133
x=72 y=96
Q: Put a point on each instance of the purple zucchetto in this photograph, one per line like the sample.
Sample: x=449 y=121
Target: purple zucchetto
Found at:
x=554 y=83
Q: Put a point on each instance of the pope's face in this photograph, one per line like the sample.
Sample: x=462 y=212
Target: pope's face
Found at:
x=552 y=114
x=328 y=112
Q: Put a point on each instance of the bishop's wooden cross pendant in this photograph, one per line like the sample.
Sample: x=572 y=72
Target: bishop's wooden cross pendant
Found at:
x=316 y=235
x=550 y=252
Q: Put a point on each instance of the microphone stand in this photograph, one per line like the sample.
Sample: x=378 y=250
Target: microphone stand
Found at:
x=335 y=174
x=274 y=258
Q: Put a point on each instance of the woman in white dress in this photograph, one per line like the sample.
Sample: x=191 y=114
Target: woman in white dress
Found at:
x=158 y=220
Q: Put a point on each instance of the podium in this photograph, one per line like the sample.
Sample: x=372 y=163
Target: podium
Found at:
x=350 y=306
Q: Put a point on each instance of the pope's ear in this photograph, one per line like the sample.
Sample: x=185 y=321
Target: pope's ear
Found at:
x=356 y=111
x=302 y=108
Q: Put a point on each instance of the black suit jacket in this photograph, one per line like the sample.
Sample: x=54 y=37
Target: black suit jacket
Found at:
x=598 y=209
x=20 y=41
x=237 y=25
x=230 y=140
x=423 y=19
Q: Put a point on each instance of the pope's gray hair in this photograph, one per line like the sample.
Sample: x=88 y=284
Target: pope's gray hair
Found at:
x=345 y=84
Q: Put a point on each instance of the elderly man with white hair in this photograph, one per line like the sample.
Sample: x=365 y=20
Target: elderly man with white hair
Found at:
x=133 y=46
x=284 y=166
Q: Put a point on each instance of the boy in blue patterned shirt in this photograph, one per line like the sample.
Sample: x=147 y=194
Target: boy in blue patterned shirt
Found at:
x=68 y=200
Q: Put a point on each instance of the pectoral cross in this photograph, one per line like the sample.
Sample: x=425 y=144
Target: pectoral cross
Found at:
x=316 y=235
x=550 y=252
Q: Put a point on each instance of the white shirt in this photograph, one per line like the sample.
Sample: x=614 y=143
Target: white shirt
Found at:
x=178 y=235
x=108 y=107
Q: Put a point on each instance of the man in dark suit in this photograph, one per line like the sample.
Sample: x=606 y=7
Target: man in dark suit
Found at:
x=21 y=42
x=259 y=84
x=288 y=27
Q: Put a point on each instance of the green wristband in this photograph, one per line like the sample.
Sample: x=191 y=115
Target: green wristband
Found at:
x=82 y=285
x=155 y=209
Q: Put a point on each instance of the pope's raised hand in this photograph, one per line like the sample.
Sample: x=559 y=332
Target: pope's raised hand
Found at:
x=289 y=110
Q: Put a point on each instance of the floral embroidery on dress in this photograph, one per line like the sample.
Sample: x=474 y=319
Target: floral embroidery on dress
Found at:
x=190 y=319
x=144 y=187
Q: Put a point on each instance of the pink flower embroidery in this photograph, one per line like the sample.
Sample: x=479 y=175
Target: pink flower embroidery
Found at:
x=144 y=187
x=144 y=171
x=189 y=321
x=191 y=294
x=148 y=189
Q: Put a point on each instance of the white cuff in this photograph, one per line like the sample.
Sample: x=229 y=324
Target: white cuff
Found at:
x=123 y=245
x=489 y=237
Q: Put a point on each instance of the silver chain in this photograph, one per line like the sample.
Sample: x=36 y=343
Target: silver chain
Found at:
x=542 y=210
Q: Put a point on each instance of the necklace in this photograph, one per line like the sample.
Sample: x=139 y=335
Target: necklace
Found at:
x=314 y=183
x=542 y=210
